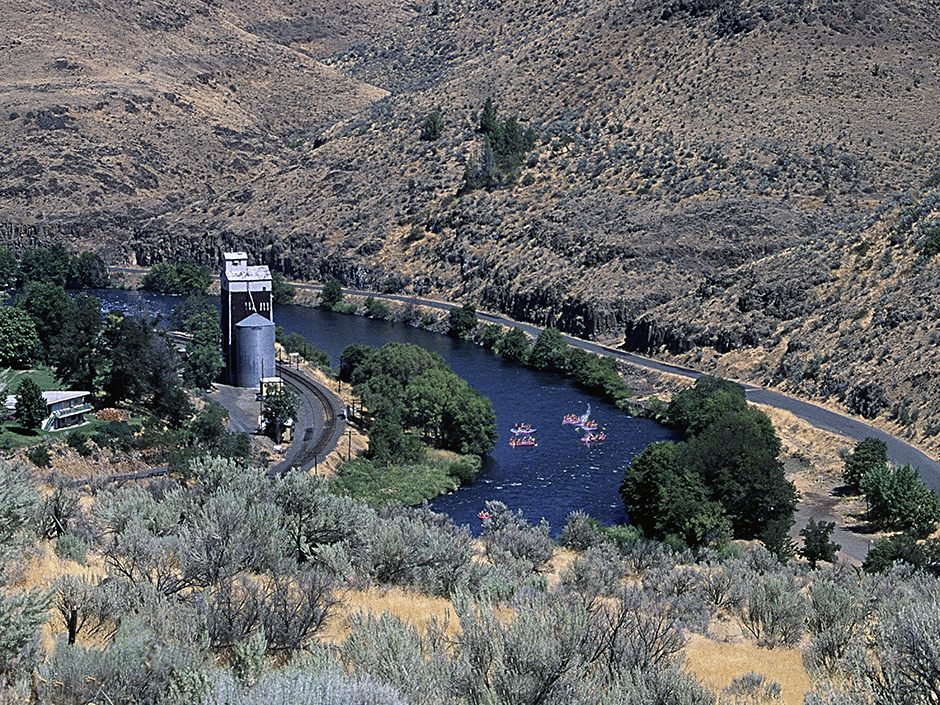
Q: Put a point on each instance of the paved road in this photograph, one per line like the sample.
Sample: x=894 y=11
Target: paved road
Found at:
x=899 y=451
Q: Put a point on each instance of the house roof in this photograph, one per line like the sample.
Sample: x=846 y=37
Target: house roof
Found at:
x=48 y=397
x=54 y=397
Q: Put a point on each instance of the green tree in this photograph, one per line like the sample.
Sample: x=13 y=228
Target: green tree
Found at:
x=897 y=498
x=184 y=278
x=461 y=321
x=489 y=335
x=9 y=269
x=203 y=363
x=141 y=366
x=331 y=295
x=816 y=544
x=736 y=456
x=30 y=406
x=88 y=271
x=126 y=374
x=51 y=309
x=50 y=265
x=514 y=345
x=693 y=409
x=19 y=342
x=390 y=444
x=76 y=354
x=870 y=454
x=433 y=126
x=376 y=308
x=277 y=408
x=549 y=350
x=282 y=293
x=667 y=501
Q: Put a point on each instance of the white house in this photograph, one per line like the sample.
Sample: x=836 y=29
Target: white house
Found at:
x=63 y=409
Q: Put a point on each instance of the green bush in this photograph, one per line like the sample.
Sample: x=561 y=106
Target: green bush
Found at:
x=377 y=309
x=77 y=440
x=71 y=547
x=116 y=435
x=38 y=456
x=465 y=468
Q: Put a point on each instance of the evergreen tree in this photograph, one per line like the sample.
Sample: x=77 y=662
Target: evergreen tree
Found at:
x=869 y=455
x=433 y=126
x=489 y=121
x=30 y=406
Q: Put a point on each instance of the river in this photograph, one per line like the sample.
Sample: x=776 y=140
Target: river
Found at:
x=549 y=481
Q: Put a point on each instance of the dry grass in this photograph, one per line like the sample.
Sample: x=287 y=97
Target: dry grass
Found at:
x=716 y=664
x=414 y=608
x=804 y=442
x=354 y=441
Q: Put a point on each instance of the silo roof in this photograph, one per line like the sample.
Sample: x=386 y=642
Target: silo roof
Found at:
x=255 y=320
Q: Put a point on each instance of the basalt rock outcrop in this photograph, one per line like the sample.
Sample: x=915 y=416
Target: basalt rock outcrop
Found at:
x=694 y=168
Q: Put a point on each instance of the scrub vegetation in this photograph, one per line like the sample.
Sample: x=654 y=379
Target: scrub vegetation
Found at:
x=233 y=588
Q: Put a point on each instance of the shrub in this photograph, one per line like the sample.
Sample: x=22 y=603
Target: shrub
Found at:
x=71 y=547
x=299 y=685
x=837 y=620
x=376 y=308
x=39 y=456
x=595 y=573
x=582 y=532
x=116 y=435
x=775 y=610
x=116 y=673
x=77 y=440
x=512 y=542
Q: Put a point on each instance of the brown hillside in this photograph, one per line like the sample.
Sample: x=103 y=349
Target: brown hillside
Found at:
x=706 y=173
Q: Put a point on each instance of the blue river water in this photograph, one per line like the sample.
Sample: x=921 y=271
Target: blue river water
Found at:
x=548 y=481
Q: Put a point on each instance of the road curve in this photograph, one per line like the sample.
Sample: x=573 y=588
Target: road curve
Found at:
x=899 y=451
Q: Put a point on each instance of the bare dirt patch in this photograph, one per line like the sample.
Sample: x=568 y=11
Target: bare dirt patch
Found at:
x=813 y=463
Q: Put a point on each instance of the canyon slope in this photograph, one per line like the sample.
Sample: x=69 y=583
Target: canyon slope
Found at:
x=745 y=187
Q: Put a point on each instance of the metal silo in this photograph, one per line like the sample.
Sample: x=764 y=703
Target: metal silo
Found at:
x=254 y=350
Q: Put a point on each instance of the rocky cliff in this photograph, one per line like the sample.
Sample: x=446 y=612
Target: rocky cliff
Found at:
x=703 y=176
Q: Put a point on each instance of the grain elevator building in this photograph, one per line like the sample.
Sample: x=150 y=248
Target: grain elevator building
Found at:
x=248 y=350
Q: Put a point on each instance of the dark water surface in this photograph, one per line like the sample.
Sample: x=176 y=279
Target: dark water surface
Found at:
x=559 y=475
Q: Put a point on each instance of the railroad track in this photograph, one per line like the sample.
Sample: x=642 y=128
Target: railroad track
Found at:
x=309 y=449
